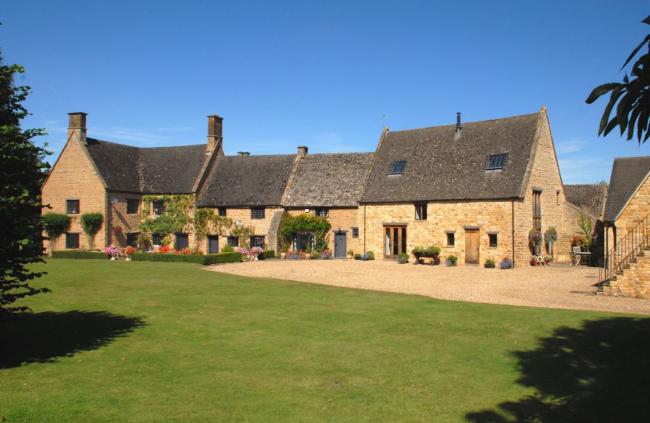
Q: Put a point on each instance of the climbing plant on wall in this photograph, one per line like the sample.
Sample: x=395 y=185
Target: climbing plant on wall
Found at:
x=206 y=221
x=244 y=233
x=290 y=226
x=176 y=215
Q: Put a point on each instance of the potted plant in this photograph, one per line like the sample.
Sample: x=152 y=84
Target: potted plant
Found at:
x=550 y=236
x=489 y=264
x=418 y=253
x=534 y=238
x=128 y=252
x=434 y=253
x=350 y=253
x=368 y=256
x=451 y=260
x=506 y=263
x=402 y=258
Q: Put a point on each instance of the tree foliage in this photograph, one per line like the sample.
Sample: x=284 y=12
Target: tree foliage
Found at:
x=91 y=224
x=632 y=112
x=22 y=171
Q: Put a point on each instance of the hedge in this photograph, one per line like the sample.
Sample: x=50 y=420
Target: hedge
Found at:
x=222 y=258
x=75 y=254
x=192 y=258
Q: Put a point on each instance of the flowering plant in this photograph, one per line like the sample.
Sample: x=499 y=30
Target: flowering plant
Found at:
x=129 y=251
x=539 y=260
x=251 y=253
x=165 y=249
x=112 y=252
x=183 y=252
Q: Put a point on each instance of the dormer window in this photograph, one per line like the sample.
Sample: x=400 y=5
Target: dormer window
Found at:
x=397 y=167
x=496 y=161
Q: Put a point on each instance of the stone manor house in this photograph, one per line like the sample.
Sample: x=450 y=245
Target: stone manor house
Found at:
x=474 y=189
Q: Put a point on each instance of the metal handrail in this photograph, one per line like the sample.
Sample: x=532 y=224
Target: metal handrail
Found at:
x=626 y=250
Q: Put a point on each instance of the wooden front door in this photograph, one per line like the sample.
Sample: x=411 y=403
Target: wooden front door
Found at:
x=213 y=244
x=471 y=246
x=340 y=245
x=394 y=241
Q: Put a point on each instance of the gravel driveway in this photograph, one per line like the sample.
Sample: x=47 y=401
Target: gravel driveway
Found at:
x=558 y=286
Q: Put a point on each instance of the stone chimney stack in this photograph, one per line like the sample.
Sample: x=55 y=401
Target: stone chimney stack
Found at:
x=77 y=126
x=303 y=150
x=215 y=133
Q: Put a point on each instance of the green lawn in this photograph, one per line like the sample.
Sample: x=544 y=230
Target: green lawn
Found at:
x=142 y=341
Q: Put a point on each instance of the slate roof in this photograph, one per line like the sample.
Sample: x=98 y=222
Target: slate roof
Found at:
x=439 y=167
x=329 y=180
x=158 y=170
x=589 y=197
x=245 y=181
x=627 y=175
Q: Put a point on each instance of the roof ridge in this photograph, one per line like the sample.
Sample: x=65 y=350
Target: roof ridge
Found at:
x=144 y=148
x=358 y=153
x=631 y=157
x=453 y=125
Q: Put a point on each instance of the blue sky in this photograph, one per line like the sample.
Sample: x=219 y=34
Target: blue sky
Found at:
x=327 y=74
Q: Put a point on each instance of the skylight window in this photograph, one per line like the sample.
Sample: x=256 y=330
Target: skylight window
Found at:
x=397 y=167
x=497 y=161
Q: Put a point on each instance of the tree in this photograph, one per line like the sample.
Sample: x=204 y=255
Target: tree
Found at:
x=22 y=172
x=632 y=95
x=91 y=224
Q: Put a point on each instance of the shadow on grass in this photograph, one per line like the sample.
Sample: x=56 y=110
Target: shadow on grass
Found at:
x=597 y=373
x=42 y=337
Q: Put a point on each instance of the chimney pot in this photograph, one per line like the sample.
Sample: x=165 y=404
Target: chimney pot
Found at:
x=459 y=127
x=303 y=150
x=215 y=133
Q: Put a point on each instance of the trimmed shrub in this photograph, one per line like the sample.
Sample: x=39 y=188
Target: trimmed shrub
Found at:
x=91 y=224
x=402 y=258
x=67 y=254
x=191 y=258
x=222 y=258
x=489 y=264
x=228 y=249
x=55 y=224
x=168 y=257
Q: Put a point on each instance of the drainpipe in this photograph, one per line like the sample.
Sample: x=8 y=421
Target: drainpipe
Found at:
x=512 y=213
x=364 y=228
